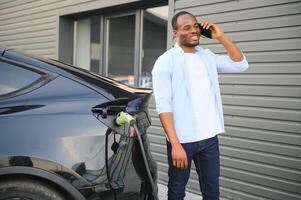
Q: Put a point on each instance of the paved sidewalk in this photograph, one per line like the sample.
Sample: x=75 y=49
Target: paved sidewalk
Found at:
x=162 y=194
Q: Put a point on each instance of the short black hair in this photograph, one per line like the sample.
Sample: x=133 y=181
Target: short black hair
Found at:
x=174 y=19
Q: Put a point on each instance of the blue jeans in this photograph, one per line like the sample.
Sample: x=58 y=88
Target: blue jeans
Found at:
x=205 y=155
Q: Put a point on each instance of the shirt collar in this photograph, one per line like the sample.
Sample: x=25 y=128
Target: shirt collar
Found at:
x=177 y=47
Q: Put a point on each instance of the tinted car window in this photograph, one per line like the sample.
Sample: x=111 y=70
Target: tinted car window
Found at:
x=13 y=78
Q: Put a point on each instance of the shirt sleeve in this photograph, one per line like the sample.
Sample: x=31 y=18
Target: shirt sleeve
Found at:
x=161 y=75
x=226 y=65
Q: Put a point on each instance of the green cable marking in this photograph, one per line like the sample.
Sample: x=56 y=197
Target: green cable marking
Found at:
x=124 y=118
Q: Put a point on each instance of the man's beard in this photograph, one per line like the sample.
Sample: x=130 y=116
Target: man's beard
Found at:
x=187 y=44
x=191 y=45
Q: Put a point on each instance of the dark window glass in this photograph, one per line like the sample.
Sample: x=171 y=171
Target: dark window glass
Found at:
x=95 y=44
x=121 y=49
x=13 y=78
x=87 y=43
x=154 y=41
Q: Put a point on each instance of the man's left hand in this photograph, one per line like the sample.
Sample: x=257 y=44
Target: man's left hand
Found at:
x=216 y=31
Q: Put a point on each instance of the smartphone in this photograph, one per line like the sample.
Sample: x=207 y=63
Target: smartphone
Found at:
x=205 y=32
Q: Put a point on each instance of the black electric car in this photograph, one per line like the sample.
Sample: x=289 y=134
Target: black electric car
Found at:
x=58 y=136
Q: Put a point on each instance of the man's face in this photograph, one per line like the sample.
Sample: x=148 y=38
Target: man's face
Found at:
x=188 y=32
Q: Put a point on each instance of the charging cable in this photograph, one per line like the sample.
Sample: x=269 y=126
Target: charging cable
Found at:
x=125 y=118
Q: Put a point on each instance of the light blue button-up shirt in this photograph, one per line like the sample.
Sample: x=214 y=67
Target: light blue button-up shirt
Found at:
x=172 y=89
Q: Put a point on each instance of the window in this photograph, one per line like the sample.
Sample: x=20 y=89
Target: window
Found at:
x=154 y=41
x=120 y=48
x=13 y=78
x=121 y=45
x=87 y=43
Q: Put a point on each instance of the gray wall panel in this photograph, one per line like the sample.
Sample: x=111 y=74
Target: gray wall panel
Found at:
x=260 y=152
x=261 y=79
x=267 y=102
x=194 y=3
x=282 y=56
x=36 y=22
x=30 y=7
x=32 y=25
x=264 y=124
x=248 y=9
x=275 y=68
x=254 y=90
x=5 y=4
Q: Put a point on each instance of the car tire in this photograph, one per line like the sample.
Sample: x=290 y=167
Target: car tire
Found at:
x=28 y=189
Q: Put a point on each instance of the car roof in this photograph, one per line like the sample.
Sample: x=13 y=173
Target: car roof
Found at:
x=110 y=88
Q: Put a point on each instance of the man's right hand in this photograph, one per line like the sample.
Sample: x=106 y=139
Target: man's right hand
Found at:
x=179 y=157
x=178 y=154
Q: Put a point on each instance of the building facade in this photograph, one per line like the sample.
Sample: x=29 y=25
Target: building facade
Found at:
x=261 y=149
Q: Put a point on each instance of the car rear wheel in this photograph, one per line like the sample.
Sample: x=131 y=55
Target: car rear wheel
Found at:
x=28 y=189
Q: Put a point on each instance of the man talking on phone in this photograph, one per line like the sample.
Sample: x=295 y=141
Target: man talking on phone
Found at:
x=188 y=100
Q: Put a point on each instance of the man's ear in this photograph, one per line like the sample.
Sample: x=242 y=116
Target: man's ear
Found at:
x=175 y=33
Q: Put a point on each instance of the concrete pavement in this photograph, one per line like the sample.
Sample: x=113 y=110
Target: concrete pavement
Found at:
x=162 y=194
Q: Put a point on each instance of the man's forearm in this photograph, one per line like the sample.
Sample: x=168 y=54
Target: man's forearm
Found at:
x=168 y=126
x=233 y=51
x=178 y=154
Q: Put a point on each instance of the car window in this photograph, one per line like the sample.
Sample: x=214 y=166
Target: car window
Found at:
x=13 y=78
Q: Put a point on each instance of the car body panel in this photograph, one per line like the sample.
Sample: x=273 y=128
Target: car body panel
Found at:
x=54 y=127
